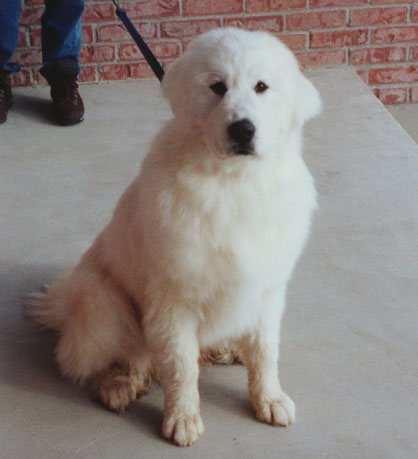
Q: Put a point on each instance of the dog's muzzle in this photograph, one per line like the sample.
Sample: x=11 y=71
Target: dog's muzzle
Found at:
x=241 y=134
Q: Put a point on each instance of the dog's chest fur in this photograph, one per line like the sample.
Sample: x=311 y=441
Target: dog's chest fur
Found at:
x=225 y=241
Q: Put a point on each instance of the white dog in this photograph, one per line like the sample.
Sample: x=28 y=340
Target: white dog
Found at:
x=201 y=245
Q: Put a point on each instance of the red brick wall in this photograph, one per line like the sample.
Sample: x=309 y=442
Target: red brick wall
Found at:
x=378 y=37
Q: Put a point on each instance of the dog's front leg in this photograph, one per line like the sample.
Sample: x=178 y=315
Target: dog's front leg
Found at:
x=261 y=354
x=176 y=359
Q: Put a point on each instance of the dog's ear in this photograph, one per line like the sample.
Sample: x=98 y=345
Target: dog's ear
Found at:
x=307 y=101
x=173 y=84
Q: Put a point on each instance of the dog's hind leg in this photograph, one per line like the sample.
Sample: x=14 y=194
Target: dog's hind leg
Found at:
x=100 y=340
x=120 y=384
x=220 y=355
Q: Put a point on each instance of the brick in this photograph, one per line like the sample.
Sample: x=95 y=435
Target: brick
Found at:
x=262 y=6
x=99 y=13
x=140 y=70
x=392 y=95
x=114 y=72
x=380 y=2
x=316 y=20
x=39 y=79
x=117 y=32
x=97 y=53
x=395 y=34
x=21 y=78
x=390 y=75
x=414 y=94
x=88 y=35
x=31 y=15
x=162 y=50
x=339 y=38
x=88 y=74
x=31 y=56
x=414 y=53
x=152 y=9
x=272 y=24
x=207 y=7
x=415 y=14
x=294 y=40
x=359 y=56
x=22 y=40
x=377 y=55
x=35 y=36
x=166 y=49
x=190 y=28
x=328 y=3
x=372 y=16
x=363 y=74
x=111 y=72
x=322 y=58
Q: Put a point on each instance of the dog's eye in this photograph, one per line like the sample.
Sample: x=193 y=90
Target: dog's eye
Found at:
x=260 y=87
x=219 y=88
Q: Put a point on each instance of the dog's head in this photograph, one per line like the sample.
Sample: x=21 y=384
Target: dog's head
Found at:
x=241 y=92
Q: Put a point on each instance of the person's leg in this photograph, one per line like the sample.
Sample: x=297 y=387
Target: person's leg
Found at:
x=9 y=32
x=61 y=31
x=61 y=43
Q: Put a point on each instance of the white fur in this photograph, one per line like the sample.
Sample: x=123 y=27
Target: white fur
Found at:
x=202 y=244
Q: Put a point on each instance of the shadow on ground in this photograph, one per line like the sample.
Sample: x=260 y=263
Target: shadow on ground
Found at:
x=38 y=109
x=27 y=353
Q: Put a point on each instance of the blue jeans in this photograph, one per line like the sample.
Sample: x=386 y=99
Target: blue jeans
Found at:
x=61 y=32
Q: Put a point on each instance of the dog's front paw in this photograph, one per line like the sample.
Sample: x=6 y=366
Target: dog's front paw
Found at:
x=279 y=411
x=184 y=429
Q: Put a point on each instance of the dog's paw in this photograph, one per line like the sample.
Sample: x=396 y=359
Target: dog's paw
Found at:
x=219 y=356
x=183 y=429
x=118 y=394
x=279 y=411
x=117 y=386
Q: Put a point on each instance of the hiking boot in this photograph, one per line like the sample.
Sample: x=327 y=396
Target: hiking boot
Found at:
x=5 y=95
x=68 y=105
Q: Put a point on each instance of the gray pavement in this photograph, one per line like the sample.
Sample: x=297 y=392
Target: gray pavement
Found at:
x=407 y=116
x=350 y=332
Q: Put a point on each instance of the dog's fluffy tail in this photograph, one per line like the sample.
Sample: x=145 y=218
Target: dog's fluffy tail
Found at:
x=46 y=309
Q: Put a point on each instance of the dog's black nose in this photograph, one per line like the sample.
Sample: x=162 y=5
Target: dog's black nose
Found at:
x=241 y=131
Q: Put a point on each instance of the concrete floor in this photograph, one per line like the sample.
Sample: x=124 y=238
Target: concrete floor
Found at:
x=407 y=116
x=350 y=335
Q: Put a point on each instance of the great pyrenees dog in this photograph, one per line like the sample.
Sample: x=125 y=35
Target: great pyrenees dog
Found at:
x=195 y=260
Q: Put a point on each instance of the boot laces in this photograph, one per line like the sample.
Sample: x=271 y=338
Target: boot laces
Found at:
x=68 y=93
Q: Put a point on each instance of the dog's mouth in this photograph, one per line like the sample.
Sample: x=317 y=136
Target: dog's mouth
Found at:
x=242 y=149
x=231 y=149
x=235 y=151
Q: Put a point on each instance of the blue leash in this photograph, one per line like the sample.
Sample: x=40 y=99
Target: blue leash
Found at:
x=148 y=54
